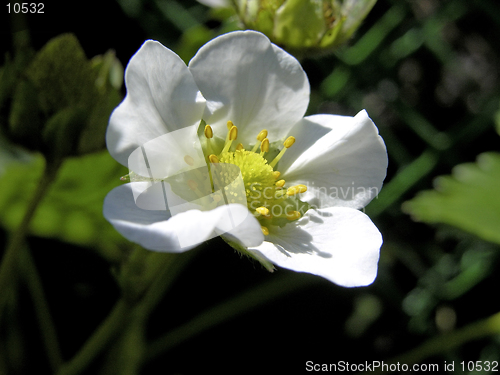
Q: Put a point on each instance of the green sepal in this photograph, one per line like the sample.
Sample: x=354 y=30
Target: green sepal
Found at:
x=253 y=255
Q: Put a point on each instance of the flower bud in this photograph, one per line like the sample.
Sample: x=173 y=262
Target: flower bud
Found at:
x=305 y=25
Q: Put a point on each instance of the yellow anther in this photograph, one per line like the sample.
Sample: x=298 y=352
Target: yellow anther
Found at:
x=289 y=142
x=192 y=184
x=276 y=175
x=264 y=146
x=262 y=135
x=229 y=125
x=293 y=215
x=302 y=188
x=280 y=183
x=240 y=147
x=264 y=230
x=297 y=189
x=233 y=132
x=213 y=159
x=209 y=133
x=264 y=211
x=189 y=160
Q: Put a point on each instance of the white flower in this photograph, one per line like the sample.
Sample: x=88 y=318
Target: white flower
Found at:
x=242 y=84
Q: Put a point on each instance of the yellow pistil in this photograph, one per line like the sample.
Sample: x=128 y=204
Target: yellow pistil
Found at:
x=280 y=183
x=293 y=215
x=288 y=143
x=264 y=146
x=297 y=189
x=264 y=211
x=213 y=159
x=264 y=230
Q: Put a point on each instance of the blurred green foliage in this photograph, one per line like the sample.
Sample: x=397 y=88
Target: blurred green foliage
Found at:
x=468 y=199
x=60 y=101
x=426 y=71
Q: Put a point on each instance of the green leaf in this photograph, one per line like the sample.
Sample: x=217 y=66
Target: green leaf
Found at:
x=62 y=131
x=62 y=75
x=25 y=121
x=72 y=209
x=468 y=199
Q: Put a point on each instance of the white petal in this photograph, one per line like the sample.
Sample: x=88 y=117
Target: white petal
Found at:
x=240 y=226
x=339 y=244
x=161 y=97
x=341 y=160
x=251 y=82
x=158 y=230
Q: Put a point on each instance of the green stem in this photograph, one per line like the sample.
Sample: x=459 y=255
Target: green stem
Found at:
x=445 y=342
x=115 y=321
x=128 y=314
x=47 y=328
x=245 y=302
x=8 y=265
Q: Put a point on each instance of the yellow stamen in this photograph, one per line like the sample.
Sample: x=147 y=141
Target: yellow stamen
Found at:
x=288 y=143
x=262 y=135
x=240 y=147
x=233 y=133
x=293 y=215
x=297 y=189
x=276 y=174
x=189 y=160
x=264 y=146
x=209 y=133
x=280 y=183
x=260 y=138
x=264 y=211
x=229 y=125
x=213 y=159
x=231 y=136
x=264 y=230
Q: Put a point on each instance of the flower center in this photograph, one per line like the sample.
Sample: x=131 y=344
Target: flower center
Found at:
x=266 y=195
